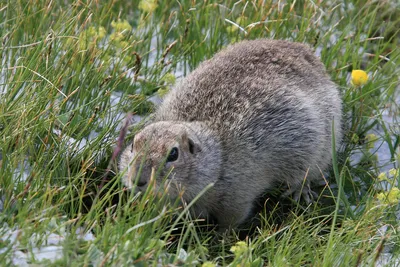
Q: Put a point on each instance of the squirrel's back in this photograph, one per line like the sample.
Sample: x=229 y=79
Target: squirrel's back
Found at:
x=259 y=89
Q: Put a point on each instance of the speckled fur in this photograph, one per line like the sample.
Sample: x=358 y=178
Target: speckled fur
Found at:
x=258 y=113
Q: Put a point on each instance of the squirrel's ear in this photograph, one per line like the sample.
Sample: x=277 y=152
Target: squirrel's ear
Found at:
x=189 y=144
x=193 y=148
x=138 y=141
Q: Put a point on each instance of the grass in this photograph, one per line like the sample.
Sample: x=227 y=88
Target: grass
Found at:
x=71 y=70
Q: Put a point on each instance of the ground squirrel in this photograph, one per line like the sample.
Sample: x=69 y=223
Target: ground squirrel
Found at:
x=258 y=113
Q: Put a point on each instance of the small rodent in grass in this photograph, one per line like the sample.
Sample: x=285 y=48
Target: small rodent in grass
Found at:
x=257 y=114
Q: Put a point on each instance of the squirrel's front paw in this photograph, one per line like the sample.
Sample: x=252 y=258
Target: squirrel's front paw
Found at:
x=304 y=191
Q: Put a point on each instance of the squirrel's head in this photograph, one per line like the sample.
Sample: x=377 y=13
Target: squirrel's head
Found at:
x=167 y=153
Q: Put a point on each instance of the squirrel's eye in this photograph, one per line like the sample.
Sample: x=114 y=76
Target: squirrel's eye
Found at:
x=173 y=154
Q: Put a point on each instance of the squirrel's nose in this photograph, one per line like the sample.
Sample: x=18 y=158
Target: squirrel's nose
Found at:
x=145 y=173
x=142 y=179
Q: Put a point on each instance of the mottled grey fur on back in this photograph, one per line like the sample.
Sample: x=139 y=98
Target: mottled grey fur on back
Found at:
x=259 y=112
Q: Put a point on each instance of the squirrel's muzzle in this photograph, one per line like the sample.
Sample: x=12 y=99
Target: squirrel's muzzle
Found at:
x=141 y=175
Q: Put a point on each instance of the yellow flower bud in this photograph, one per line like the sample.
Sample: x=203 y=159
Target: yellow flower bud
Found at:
x=116 y=37
x=359 y=77
x=391 y=197
x=393 y=172
x=101 y=32
x=169 y=78
x=239 y=248
x=241 y=20
x=231 y=28
x=371 y=139
x=394 y=195
x=121 y=25
x=148 y=5
x=381 y=197
x=163 y=91
x=382 y=177
x=91 y=31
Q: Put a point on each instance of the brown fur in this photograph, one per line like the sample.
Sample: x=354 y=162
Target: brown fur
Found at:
x=257 y=113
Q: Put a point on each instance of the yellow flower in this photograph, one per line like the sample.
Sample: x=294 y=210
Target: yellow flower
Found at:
x=162 y=91
x=241 y=20
x=169 y=78
x=116 y=36
x=101 y=33
x=371 y=139
x=96 y=33
x=87 y=38
x=359 y=77
x=391 y=197
x=382 y=177
x=394 y=195
x=121 y=25
x=239 y=248
x=381 y=197
x=231 y=28
x=91 y=31
x=148 y=5
x=394 y=172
